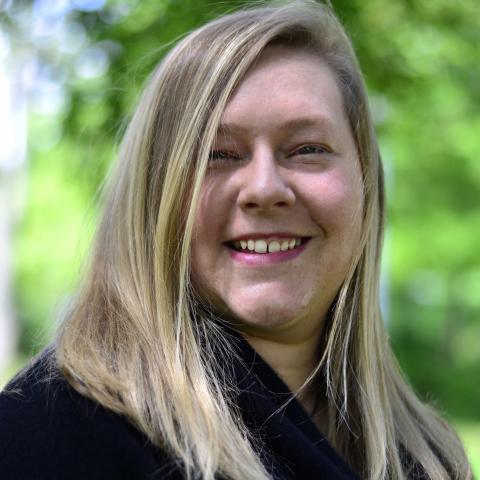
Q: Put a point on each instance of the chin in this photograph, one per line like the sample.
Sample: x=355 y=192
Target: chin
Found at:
x=266 y=316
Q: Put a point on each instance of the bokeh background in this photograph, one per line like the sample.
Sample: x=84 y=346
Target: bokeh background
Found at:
x=70 y=72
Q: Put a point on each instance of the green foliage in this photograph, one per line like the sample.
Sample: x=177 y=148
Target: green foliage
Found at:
x=470 y=436
x=51 y=242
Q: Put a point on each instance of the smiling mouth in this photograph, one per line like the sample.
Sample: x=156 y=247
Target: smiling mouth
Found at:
x=265 y=246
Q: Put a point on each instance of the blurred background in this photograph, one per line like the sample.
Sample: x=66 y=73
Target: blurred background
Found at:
x=70 y=72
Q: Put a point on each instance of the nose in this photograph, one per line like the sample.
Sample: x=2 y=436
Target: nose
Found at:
x=264 y=185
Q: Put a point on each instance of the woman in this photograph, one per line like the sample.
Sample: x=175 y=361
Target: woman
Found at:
x=237 y=261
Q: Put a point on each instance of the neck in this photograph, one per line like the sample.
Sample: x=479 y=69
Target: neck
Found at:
x=293 y=362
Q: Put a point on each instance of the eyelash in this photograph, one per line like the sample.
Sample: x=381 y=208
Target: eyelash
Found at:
x=319 y=150
x=221 y=156
x=217 y=158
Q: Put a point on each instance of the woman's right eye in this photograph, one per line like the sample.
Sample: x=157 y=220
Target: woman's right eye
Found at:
x=221 y=156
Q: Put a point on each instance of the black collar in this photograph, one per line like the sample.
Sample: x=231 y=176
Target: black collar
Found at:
x=295 y=448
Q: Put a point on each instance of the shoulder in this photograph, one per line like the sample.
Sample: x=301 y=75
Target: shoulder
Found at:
x=50 y=431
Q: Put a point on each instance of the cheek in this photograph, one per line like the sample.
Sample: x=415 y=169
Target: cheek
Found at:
x=211 y=218
x=208 y=214
x=200 y=237
x=336 y=201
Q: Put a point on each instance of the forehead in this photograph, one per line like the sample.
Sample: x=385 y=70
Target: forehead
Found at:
x=287 y=85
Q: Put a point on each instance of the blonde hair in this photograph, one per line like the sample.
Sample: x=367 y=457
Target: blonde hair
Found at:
x=137 y=339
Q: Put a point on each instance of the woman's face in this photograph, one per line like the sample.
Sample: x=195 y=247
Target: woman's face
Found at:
x=281 y=205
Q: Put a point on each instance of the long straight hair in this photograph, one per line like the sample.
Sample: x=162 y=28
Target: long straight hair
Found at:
x=137 y=339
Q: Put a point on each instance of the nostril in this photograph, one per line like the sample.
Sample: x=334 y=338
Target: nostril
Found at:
x=251 y=205
x=254 y=205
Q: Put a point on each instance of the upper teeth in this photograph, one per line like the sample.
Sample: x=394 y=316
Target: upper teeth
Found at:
x=270 y=246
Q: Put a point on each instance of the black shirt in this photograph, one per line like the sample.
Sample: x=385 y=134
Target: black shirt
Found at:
x=48 y=431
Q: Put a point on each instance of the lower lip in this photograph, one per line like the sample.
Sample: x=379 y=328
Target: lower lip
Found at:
x=259 y=259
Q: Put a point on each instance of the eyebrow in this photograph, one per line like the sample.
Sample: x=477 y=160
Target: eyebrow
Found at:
x=295 y=124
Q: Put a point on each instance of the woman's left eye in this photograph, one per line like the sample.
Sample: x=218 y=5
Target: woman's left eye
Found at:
x=312 y=150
